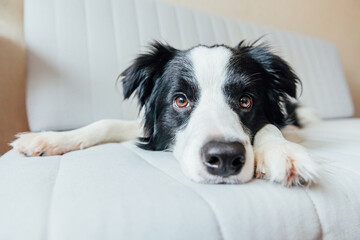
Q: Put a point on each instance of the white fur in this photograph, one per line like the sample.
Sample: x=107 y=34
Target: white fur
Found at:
x=212 y=119
x=281 y=161
x=54 y=143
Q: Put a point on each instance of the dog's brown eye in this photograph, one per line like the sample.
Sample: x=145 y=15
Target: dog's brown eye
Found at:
x=245 y=102
x=181 y=101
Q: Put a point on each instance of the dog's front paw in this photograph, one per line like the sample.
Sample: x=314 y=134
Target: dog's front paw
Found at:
x=286 y=163
x=41 y=144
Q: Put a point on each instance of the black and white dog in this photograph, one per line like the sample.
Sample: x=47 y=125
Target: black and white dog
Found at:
x=219 y=109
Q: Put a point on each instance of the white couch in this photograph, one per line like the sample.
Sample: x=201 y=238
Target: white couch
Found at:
x=76 y=49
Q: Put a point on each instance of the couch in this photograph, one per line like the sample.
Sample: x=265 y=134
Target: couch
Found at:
x=76 y=50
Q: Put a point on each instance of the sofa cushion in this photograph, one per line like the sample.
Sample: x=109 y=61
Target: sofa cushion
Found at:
x=118 y=191
x=76 y=51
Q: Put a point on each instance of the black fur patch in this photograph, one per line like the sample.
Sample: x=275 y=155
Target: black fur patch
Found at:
x=255 y=71
x=157 y=76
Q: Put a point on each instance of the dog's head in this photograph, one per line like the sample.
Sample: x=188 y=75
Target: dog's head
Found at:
x=207 y=103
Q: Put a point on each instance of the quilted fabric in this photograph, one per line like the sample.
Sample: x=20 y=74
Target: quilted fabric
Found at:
x=77 y=49
x=118 y=191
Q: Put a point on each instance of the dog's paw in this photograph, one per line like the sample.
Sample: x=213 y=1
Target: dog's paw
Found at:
x=286 y=163
x=42 y=144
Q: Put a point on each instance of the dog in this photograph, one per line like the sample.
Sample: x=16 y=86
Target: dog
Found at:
x=219 y=109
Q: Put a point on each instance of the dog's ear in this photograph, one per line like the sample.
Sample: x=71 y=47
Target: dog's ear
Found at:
x=141 y=76
x=281 y=80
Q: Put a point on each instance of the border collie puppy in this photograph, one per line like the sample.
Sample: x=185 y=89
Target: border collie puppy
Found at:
x=219 y=109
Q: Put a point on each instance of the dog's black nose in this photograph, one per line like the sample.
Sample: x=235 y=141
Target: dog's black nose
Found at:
x=223 y=158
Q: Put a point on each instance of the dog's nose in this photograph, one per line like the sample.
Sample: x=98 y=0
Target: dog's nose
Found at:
x=223 y=158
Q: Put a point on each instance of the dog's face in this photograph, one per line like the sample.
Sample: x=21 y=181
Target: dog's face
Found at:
x=207 y=103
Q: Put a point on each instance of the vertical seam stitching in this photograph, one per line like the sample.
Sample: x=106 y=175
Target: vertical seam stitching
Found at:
x=114 y=31
x=316 y=213
x=198 y=194
x=88 y=60
x=212 y=29
x=215 y=35
x=51 y=197
x=197 y=27
x=137 y=21
x=179 y=27
x=158 y=19
x=118 y=86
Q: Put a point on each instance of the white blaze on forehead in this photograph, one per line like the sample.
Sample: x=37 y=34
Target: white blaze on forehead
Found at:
x=209 y=65
x=210 y=70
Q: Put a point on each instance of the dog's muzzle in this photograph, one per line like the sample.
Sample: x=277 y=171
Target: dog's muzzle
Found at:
x=223 y=158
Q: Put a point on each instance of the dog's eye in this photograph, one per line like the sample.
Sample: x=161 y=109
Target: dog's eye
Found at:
x=181 y=101
x=245 y=102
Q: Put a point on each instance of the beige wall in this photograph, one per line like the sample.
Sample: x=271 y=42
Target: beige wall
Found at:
x=335 y=20
x=12 y=72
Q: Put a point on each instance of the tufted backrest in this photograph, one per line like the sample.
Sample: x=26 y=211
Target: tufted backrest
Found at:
x=76 y=50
